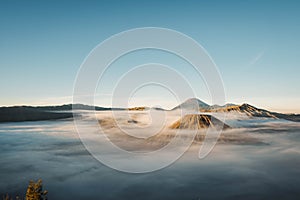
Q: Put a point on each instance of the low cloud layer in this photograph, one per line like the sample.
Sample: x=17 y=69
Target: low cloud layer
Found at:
x=52 y=151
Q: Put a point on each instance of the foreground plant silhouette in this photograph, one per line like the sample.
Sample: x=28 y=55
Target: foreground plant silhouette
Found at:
x=35 y=191
x=7 y=197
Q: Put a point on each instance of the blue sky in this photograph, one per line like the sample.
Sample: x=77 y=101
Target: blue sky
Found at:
x=255 y=44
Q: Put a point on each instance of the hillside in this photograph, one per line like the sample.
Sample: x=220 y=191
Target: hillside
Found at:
x=245 y=108
x=19 y=114
x=198 y=121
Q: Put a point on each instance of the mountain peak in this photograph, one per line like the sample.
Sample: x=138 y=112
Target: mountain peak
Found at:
x=195 y=100
x=192 y=103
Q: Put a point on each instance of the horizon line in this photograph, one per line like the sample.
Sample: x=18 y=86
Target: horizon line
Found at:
x=110 y=107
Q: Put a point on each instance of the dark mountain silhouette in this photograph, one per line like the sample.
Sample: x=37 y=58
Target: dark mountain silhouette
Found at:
x=20 y=113
x=67 y=107
x=39 y=113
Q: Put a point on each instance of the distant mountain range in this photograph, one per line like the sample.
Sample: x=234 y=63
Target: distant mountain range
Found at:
x=27 y=113
x=252 y=111
x=39 y=113
x=69 y=107
x=243 y=109
x=35 y=113
x=246 y=109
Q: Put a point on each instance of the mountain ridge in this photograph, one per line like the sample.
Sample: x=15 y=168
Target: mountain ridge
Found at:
x=244 y=108
x=7 y=112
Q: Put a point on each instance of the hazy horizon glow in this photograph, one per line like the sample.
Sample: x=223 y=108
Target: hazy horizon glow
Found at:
x=254 y=44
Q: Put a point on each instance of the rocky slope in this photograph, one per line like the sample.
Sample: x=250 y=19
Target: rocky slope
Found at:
x=247 y=109
x=198 y=121
x=243 y=109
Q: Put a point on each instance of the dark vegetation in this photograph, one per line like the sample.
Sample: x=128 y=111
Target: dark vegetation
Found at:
x=34 y=192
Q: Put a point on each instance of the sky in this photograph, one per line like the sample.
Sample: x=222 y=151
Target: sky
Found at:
x=255 y=45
